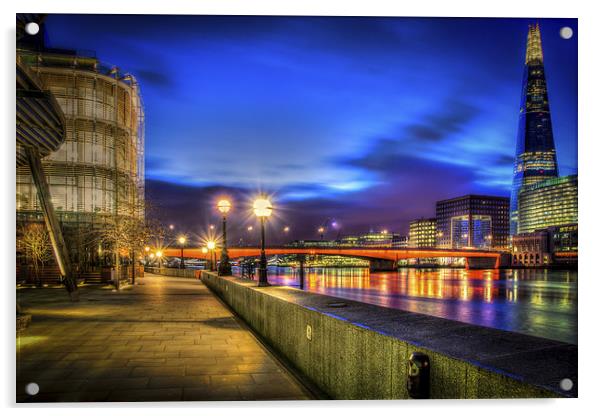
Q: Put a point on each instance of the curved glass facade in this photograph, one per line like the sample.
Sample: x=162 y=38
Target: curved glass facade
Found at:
x=548 y=203
x=99 y=169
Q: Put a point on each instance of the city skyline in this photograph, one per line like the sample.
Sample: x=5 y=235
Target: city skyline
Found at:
x=207 y=176
x=345 y=118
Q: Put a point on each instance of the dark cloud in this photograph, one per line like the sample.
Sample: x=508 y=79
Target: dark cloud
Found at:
x=152 y=77
x=504 y=160
x=452 y=117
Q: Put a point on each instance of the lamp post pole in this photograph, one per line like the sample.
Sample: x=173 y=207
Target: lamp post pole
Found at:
x=211 y=247
x=263 y=209
x=225 y=269
x=263 y=261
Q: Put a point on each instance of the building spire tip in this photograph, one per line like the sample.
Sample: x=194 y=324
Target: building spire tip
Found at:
x=534 y=50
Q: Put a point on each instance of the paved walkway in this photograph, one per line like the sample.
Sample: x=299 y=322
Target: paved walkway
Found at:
x=165 y=339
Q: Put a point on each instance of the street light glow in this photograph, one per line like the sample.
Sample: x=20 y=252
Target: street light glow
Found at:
x=171 y=227
x=321 y=230
x=224 y=206
x=211 y=245
x=287 y=229
x=182 y=240
x=204 y=250
x=147 y=249
x=250 y=228
x=159 y=254
x=262 y=207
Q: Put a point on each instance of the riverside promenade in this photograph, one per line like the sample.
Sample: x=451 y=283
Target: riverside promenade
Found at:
x=164 y=339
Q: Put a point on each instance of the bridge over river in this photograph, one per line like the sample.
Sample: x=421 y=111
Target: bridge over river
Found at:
x=380 y=258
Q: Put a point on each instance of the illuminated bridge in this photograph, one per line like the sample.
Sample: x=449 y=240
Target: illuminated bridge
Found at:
x=380 y=258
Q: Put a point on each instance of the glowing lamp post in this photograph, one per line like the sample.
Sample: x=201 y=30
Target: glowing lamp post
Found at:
x=159 y=254
x=211 y=248
x=225 y=269
x=321 y=232
x=182 y=241
x=262 y=208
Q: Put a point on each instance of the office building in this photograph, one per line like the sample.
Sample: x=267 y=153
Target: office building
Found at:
x=549 y=203
x=423 y=232
x=473 y=221
x=97 y=174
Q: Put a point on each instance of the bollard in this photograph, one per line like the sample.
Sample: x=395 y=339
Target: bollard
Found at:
x=419 y=381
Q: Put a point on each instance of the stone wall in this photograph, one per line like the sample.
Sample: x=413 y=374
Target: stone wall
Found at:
x=347 y=358
x=165 y=271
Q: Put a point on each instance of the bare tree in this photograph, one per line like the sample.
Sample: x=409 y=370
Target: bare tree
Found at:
x=35 y=242
x=128 y=234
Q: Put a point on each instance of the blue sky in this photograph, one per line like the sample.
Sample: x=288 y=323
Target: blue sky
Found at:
x=367 y=120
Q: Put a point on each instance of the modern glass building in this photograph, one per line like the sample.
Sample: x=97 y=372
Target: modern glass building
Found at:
x=535 y=159
x=549 y=203
x=473 y=221
x=97 y=174
x=423 y=232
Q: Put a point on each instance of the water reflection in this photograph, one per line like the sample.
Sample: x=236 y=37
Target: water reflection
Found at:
x=536 y=302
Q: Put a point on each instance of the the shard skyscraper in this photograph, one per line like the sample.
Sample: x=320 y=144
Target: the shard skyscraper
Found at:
x=535 y=159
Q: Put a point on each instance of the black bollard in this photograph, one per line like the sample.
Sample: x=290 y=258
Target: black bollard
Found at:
x=419 y=378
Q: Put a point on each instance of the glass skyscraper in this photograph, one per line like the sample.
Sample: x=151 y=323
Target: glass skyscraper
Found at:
x=535 y=159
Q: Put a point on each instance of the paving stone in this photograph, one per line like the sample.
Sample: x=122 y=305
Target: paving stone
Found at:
x=169 y=339
x=180 y=381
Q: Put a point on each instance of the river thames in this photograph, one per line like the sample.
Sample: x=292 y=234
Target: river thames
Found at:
x=536 y=302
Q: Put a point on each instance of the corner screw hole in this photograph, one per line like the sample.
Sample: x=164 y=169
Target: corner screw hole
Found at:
x=32 y=28
x=32 y=389
x=566 y=384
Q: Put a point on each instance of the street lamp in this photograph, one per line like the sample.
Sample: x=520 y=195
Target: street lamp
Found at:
x=262 y=207
x=211 y=248
x=182 y=241
x=159 y=254
x=287 y=229
x=321 y=231
x=225 y=269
